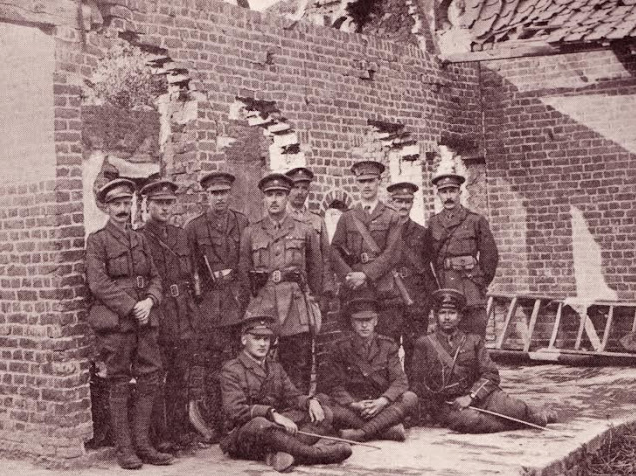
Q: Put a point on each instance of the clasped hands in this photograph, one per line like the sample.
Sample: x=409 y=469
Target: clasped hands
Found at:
x=141 y=311
x=355 y=279
x=370 y=408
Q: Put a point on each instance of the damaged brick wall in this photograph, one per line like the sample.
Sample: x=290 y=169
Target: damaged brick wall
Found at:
x=44 y=403
x=560 y=144
x=327 y=86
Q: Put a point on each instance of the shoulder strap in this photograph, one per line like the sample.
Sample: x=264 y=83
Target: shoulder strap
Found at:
x=366 y=236
x=443 y=355
x=162 y=243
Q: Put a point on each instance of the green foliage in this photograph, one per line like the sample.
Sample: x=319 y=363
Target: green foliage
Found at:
x=125 y=80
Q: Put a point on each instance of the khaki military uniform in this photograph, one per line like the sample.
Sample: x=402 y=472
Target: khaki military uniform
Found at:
x=217 y=238
x=465 y=258
x=120 y=272
x=290 y=261
x=250 y=391
x=351 y=253
x=443 y=371
x=356 y=371
x=415 y=269
x=316 y=222
x=172 y=257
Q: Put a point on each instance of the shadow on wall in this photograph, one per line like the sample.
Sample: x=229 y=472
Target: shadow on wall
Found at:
x=560 y=144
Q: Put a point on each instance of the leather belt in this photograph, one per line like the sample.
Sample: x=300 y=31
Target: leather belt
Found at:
x=367 y=257
x=290 y=275
x=464 y=262
x=176 y=290
x=137 y=282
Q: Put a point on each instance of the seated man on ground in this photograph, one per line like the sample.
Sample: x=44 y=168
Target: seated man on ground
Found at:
x=365 y=381
x=454 y=377
x=265 y=411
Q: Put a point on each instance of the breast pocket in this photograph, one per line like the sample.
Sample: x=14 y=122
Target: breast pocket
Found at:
x=117 y=262
x=379 y=231
x=463 y=242
x=294 y=250
x=260 y=253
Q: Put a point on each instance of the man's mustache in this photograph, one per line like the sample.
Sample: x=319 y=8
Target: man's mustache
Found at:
x=122 y=215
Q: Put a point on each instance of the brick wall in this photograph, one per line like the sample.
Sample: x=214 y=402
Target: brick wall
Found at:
x=560 y=141
x=44 y=403
x=327 y=86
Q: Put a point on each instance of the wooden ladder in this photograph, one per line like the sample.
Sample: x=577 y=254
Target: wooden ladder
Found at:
x=590 y=335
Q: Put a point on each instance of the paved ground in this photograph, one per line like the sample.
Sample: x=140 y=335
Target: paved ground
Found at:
x=589 y=400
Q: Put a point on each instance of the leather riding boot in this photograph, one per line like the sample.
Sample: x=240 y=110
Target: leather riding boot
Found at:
x=346 y=418
x=541 y=417
x=394 y=433
x=159 y=424
x=146 y=389
x=118 y=397
x=388 y=417
x=278 y=440
x=279 y=460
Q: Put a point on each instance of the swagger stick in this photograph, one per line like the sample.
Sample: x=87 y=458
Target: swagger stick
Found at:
x=506 y=417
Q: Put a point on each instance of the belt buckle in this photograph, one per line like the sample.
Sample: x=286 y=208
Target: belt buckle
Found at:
x=277 y=276
x=174 y=290
x=141 y=282
x=364 y=258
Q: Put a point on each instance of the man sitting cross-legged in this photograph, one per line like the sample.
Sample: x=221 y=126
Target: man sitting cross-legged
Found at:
x=255 y=390
x=365 y=380
x=452 y=372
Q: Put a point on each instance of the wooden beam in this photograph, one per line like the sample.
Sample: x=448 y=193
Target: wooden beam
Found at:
x=46 y=13
x=533 y=322
x=557 y=323
x=511 y=312
x=608 y=329
x=500 y=52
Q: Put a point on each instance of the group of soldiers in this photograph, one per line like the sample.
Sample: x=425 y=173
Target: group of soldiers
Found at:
x=216 y=322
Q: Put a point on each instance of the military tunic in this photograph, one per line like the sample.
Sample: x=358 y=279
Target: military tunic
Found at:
x=249 y=391
x=356 y=371
x=120 y=272
x=351 y=253
x=465 y=257
x=316 y=222
x=415 y=269
x=172 y=257
x=279 y=253
x=216 y=237
x=463 y=368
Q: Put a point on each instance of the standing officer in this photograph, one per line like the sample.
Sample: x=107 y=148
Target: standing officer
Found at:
x=366 y=249
x=414 y=268
x=171 y=255
x=464 y=251
x=366 y=381
x=452 y=372
x=302 y=178
x=265 y=410
x=215 y=238
x=281 y=265
x=126 y=288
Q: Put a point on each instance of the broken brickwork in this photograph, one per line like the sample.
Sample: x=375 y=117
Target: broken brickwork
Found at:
x=325 y=86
